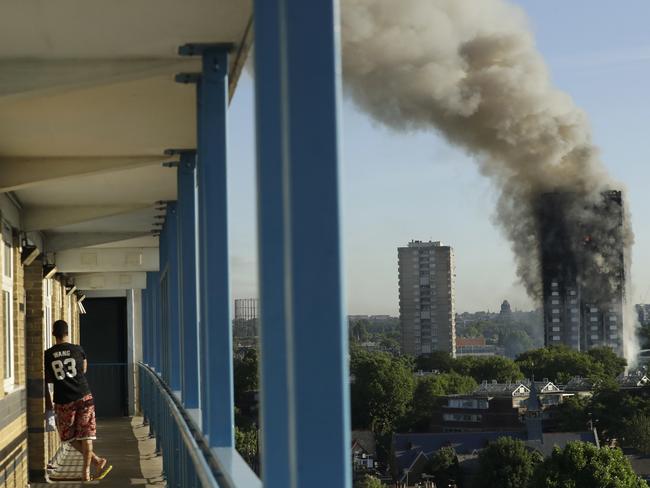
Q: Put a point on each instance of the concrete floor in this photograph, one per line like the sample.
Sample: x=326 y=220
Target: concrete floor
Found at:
x=127 y=446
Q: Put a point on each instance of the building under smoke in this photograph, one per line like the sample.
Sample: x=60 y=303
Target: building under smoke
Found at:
x=582 y=269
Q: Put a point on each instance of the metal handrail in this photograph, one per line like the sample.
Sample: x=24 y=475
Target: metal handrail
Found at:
x=195 y=446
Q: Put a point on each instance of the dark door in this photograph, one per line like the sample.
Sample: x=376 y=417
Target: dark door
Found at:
x=103 y=337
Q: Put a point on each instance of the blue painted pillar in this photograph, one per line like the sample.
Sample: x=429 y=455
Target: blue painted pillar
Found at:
x=144 y=339
x=175 y=361
x=163 y=302
x=154 y=287
x=274 y=391
x=214 y=311
x=298 y=87
x=188 y=277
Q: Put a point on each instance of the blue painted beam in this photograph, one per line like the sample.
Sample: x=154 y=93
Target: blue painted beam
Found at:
x=214 y=312
x=274 y=391
x=175 y=361
x=306 y=74
x=188 y=278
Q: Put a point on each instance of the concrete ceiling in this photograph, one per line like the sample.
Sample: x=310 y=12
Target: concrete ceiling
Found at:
x=88 y=84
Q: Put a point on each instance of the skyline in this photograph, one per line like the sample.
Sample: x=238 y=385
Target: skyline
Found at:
x=402 y=186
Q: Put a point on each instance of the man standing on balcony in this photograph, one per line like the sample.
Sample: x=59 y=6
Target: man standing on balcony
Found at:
x=65 y=367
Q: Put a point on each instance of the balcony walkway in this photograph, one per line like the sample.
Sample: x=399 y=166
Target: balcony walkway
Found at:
x=127 y=446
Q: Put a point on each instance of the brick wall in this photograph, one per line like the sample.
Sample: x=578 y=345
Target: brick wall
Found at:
x=13 y=418
x=35 y=344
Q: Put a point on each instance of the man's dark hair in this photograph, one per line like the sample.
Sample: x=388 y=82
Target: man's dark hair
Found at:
x=60 y=329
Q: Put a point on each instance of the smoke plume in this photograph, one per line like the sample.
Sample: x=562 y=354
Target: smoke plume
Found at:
x=470 y=70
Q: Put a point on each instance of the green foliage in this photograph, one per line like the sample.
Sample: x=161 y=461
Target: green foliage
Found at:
x=478 y=367
x=381 y=391
x=368 y=481
x=435 y=361
x=559 y=364
x=572 y=415
x=515 y=342
x=245 y=373
x=444 y=466
x=612 y=364
x=637 y=433
x=583 y=465
x=246 y=443
x=389 y=344
x=613 y=408
x=427 y=396
x=507 y=463
x=488 y=368
x=359 y=331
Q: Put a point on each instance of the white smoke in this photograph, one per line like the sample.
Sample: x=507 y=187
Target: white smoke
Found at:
x=469 y=69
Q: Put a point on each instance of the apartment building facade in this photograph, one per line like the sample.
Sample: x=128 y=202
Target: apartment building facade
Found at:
x=30 y=302
x=427 y=298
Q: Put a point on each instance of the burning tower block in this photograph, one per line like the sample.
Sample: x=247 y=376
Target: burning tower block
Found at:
x=582 y=269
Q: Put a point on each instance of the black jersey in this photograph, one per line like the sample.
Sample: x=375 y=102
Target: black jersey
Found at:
x=64 y=366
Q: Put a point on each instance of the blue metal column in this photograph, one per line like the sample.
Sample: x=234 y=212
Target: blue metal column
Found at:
x=144 y=340
x=174 y=350
x=302 y=73
x=163 y=299
x=215 y=322
x=274 y=391
x=188 y=277
x=154 y=287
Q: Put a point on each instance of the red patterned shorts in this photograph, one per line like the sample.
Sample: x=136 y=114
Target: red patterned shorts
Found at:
x=76 y=420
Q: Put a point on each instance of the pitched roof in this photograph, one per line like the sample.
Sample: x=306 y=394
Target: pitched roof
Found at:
x=408 y=447
x=365 y=439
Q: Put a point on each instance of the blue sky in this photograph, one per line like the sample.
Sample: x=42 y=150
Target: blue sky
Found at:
x=397 y=187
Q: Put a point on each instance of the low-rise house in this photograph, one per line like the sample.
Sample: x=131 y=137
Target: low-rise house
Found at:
x=493 y=406
x=412 y=452
x=364 y=451
x=637 y=379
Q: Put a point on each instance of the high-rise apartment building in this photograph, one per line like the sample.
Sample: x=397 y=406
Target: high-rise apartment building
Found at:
x=427 y=298
x=583 y=307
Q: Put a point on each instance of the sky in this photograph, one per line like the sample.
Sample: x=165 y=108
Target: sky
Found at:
x=402 y=186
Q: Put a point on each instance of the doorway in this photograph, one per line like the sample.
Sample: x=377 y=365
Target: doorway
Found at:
x=104 y=338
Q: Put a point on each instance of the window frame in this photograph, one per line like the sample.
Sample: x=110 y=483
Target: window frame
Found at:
x=8 y=306
x=47 y=312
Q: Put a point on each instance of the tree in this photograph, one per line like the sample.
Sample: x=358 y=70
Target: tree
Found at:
x=559 y=363
x=245 y=374
x=507 y=463
x=246 y=443
x=572 y=415
x=389 y=344
x=488 y=368
x=428 y=393
x=583 y=465
x=368 y=481
x=515 y=342
x=637 y=433
x=443 y=466
x=435 y=361
x=612 y=364
x=612 y=407
x=359 y=330
x=381 y=391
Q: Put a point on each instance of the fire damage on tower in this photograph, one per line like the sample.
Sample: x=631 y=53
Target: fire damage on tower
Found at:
x=582 y=269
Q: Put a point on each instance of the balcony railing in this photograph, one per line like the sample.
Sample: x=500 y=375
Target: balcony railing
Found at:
x=188 y=462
